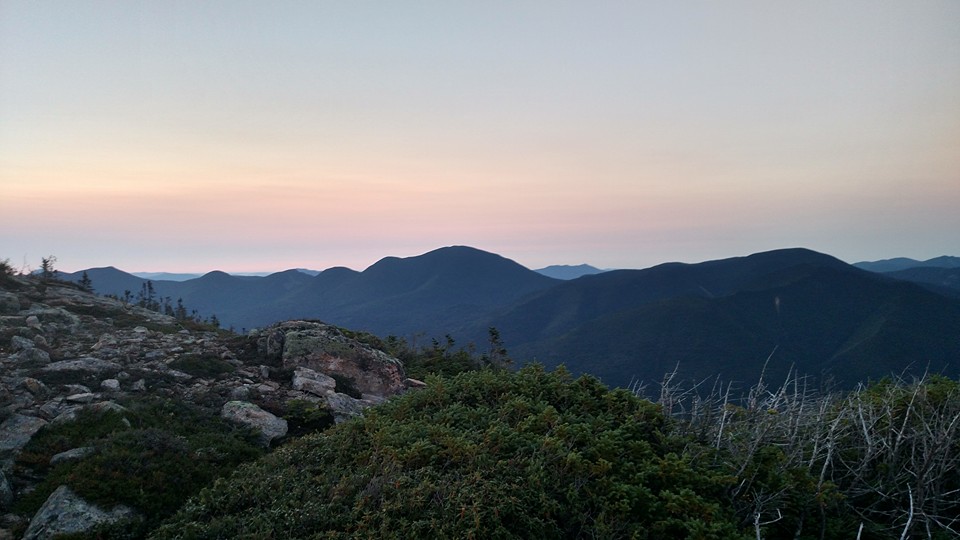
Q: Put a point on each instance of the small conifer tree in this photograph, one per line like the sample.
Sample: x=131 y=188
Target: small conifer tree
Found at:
x=85 y=282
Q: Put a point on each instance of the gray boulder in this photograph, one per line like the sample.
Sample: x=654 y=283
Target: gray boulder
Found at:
x=270 y=426
x=65 y=512
x=345 y=407
x=19 y=343
x=32 y=356
x=16 y=431
x=54 y=315
x=308 y=380
x=73 y=454
x=325 y=349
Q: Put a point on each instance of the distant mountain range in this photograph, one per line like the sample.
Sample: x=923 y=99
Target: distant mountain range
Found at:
x=566 y=271
x=903 y=263
x=785 y=309
x=172 y=276
x=940 y=274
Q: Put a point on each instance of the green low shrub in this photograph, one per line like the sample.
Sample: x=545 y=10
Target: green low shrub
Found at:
x=207 y=365
x=151 y=457
x=486 y=454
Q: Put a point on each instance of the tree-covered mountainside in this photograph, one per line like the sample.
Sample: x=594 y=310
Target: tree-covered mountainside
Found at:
x=945 y=281
x=795 y=307
x=435 y=293
x=904 y=263
x=788 y=309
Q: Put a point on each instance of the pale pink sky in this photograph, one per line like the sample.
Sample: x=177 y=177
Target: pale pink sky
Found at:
x=186 y=136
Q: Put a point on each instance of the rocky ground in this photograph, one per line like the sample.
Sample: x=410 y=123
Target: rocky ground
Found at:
x=63 y=350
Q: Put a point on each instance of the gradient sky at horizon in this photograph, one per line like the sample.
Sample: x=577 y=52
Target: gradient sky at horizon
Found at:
x=259 y=136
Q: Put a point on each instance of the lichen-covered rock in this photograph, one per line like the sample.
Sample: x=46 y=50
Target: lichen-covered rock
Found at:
x=325 y=349
x=19 y=343
x=31 y=357
x=16 y=431
x=345 y=407
x=35 y=387
x=308 y=380
x=65 y=512
x=270 y=426
x=54 y=315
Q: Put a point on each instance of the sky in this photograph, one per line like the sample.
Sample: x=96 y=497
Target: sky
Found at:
x=259 y=136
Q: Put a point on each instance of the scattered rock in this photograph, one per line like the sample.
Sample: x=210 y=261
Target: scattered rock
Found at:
x=54 y=316
x=240 y=393
x=111 y=385
x=86 y=397
x=65 y=512
x=19 y=343
x=35 y=387
x=95 y=365
x=32 y=357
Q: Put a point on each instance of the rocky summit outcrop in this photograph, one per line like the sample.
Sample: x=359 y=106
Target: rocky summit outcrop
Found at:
x=63 y=350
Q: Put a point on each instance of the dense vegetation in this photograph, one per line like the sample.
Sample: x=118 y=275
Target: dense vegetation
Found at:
x=487 y=454
x=150 y=454
x=493 y=454
x=882 y=461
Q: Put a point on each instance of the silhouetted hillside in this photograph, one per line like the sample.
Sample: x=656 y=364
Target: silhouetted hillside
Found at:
x=941 y=280
x=436 y=293
x=107 y=280
x=903 y=263
x=797 y=307
x=565 y=271
x=726 y=317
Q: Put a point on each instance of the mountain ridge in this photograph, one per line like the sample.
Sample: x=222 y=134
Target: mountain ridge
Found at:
x=620 y=324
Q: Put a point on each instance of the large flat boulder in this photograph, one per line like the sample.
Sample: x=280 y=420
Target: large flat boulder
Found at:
x=65 y=512
x=270 y=426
